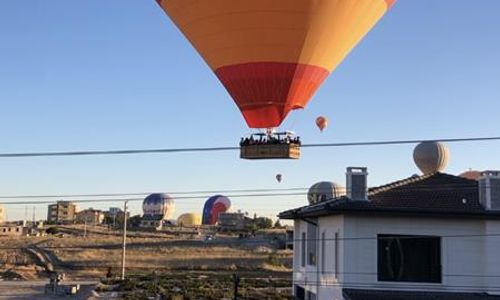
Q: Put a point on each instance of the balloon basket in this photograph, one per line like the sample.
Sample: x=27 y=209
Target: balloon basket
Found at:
x=270 y=146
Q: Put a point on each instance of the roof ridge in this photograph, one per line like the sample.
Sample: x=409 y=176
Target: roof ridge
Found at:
x=400 y=183
x=414 y=179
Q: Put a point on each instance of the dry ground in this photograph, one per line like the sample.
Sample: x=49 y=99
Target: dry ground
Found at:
x=93 y=256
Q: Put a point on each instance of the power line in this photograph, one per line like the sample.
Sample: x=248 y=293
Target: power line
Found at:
x=285 y=192
x=382 y=285
x=227 y=192
x=147 y=193
x=218 y=149
x=154 y=243
x=141 y=199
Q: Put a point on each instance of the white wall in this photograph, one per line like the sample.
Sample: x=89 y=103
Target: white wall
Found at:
x=460 y=255
x=465 y=260
x=492 y=257
x=308 y=277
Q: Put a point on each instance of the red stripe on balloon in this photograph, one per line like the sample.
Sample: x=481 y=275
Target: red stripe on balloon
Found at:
x=390 y=3
x=266 y=92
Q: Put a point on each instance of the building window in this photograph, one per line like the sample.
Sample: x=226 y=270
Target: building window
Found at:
x=336 y=254
x=312 y=240
x=323 y=252
x=409 y=258
x=311 y=296
x=300 y=293
x=303 y=250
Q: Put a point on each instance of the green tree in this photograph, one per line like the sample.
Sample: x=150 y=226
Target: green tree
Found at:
x=264 y=223
x=277 y=224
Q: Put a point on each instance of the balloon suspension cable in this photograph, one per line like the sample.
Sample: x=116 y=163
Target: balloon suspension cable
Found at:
x=270 y=131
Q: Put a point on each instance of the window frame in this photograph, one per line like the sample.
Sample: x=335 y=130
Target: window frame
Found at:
x=323 y=252
x=434 y=261
x=336 y=255
x=303 y=250
x=312 y=241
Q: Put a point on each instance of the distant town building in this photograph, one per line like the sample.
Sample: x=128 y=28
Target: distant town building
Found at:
x=233 y=221
x=61 y=212
x=114 y=211
x=433 y=236
x=90 y=216
x=2 y=214
x=158 y=209
x=152 y=222
x=13 y=230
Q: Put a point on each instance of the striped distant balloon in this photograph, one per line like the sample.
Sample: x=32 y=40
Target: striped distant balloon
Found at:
x=431 y=157
x=160 y=205
x=272 y=55
x=213 y=207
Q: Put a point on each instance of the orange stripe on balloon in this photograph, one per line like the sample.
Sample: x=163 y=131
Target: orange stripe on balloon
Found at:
x=267 y=92
x=228 y=32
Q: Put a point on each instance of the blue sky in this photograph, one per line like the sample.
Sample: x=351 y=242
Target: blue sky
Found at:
x=78 y=75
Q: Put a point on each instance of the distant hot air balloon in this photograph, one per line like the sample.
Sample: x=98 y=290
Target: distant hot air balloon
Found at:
x=279 y=177
x=189 y=219
x=213 y=207
x=159 y=205
x=322 y=123
x=431 y=157
x=272 y=55
x=324 y=191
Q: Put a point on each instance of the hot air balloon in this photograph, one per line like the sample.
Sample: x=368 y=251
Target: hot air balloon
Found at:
x=279 y=177
x=431 y=157
x=325 y=190
x=189 y=219
x=213 y=207
x=322 y=123
x=159 y=206
x=272 y=55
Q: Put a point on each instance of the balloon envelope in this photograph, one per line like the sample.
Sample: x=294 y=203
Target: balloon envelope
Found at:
x=159 y=205
x=431 y=157
x=213 y=207
x=324 y=191
x=189 y=219
x=272 y=55
x=322 y=122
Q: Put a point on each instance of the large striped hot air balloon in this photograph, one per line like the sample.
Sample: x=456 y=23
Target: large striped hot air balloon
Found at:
x=213 y=207
x=272 y=55
x=161 y=206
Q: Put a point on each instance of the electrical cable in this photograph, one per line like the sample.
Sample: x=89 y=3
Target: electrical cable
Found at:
x=217 y=149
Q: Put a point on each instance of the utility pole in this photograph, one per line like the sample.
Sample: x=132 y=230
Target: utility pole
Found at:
x=124 y=238
x=236 y=279
x=85 y=227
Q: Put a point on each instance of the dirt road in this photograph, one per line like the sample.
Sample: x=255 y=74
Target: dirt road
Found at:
x=34 y=290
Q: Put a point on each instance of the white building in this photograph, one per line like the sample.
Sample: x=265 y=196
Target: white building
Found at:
x=429 y=237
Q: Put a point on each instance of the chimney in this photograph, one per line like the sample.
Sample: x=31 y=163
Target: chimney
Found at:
x=357 y=188
x=489 y=190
